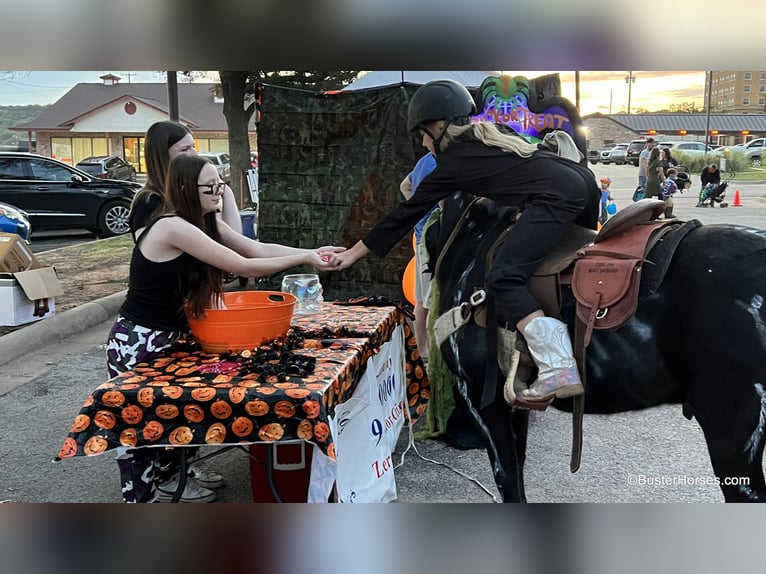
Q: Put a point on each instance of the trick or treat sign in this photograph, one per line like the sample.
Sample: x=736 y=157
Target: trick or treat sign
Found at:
x=519 y=104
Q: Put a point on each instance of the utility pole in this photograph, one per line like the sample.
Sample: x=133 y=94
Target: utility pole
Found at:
x=577 y=91
x=630 y=79
x=707 y=116
x=173 y=96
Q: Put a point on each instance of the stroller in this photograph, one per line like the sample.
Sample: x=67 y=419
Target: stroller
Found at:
x=712 y=194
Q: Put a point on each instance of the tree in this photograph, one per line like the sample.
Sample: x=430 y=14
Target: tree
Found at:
x=239 y=104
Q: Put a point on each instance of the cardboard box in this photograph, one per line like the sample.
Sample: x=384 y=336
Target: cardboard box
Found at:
x=28 y=296
x=15 y=254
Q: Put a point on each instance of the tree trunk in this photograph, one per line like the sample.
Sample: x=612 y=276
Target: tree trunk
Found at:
x=234 y=85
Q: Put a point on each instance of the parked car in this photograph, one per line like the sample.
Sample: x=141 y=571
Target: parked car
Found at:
x=594 y=155
x=692 y=148
x=14 y=220
x=221 y=162
x=108 y=167
x=634 y=150
x=753 y=150
x=59 y=196
x=616 y=155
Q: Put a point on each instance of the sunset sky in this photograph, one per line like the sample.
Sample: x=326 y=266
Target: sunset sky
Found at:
x=651 y=90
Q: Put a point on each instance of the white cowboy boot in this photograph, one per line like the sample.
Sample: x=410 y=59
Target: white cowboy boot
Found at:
x=551 y=349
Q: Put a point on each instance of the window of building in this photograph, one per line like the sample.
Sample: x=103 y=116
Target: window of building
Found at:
x=762 y=89
x=747 y=89
x=72 y=150
x=746 y=102
x=763 y=75
x=748 y=76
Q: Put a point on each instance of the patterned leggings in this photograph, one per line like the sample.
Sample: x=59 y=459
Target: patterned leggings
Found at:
x=140 y=469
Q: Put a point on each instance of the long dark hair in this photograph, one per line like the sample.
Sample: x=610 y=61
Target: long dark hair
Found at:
x=182 y=199
x=159 y=138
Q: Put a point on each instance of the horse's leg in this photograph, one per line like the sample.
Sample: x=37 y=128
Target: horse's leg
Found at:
x=735 y=433
x=502 y=433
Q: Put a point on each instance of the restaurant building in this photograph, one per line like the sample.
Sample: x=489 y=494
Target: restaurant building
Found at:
x=112 y=117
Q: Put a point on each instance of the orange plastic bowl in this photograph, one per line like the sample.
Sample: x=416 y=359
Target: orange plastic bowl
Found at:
x=250 y=318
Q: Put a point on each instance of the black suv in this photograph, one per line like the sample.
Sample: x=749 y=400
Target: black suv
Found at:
x=108 y=167
x=634 y=150
x=59 y=196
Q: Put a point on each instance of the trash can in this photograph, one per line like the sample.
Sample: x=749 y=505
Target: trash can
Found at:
x=248 y=222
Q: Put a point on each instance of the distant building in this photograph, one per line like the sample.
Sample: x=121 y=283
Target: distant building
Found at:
x=112 y=118
x=725 y=129
x=736 y=92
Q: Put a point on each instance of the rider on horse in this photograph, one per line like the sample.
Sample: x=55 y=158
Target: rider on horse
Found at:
x=552 y=193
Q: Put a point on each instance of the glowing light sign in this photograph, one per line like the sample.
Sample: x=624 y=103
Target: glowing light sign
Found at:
x=506 y=100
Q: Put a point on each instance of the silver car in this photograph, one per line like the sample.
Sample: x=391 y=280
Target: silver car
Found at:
x=221 y=162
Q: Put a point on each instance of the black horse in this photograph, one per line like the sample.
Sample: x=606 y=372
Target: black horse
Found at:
x=699 y=339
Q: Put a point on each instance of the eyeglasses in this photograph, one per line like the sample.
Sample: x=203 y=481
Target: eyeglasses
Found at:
x=214 y=188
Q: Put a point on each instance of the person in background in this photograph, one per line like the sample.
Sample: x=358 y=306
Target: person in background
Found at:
x=709 y=174
x=553 y=192
x=667 y=160
x=643 y=162
x=408 y=186
x=606 y=197
x=673 y=183
x=177 y=266
x=654 y=175
x=163 y=142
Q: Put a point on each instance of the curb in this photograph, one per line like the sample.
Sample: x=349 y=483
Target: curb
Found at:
x=49 y=331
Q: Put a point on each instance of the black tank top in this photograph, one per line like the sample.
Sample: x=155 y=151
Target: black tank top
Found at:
x=156 y=291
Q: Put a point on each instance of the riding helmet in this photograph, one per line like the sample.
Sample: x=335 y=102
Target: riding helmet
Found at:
x=440 y=100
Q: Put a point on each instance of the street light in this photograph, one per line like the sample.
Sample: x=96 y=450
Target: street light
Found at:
x=630 y=79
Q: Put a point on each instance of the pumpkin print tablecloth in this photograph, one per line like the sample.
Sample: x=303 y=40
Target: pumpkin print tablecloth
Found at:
x=277 y=392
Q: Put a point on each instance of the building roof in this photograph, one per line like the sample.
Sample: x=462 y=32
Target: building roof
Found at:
x=196 y=105
x=671 y=123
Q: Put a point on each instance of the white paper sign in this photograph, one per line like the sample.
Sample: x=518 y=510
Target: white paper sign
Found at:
x=366 y=427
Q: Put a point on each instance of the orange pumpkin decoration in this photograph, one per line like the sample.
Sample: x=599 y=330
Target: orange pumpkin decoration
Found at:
x=129 y=437
x=130 y=386
x=242 y=426
x=222 y=378
x=80 y=423
x=135 y=379
x=297 y=393
x=331 y=450
x=256 y=408
x=215 y=434
x=166 y=411
x=284 y=409
x=271 y=432
x=68 y=449
x=312 y=344
x=267 y=390
x=180 y=435
x=220 y=409
x=311 y=408
x=113 y=398
x=95 y=445
x=164 y=378
x=194 y=384
x=203 y=394
x=321 y=431
x=153 y=430
x=132 y=414
x=105 y=419
x=182 y=372
x=194 y=413
x=145 y=397
x=157 y=383
x=237 y=394
x=173 y=392
x=305 y=430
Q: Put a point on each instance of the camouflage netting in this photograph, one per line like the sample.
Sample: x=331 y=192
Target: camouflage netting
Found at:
x=329 y=169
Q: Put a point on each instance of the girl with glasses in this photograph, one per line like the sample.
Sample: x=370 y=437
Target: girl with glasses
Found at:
x=177 y=265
